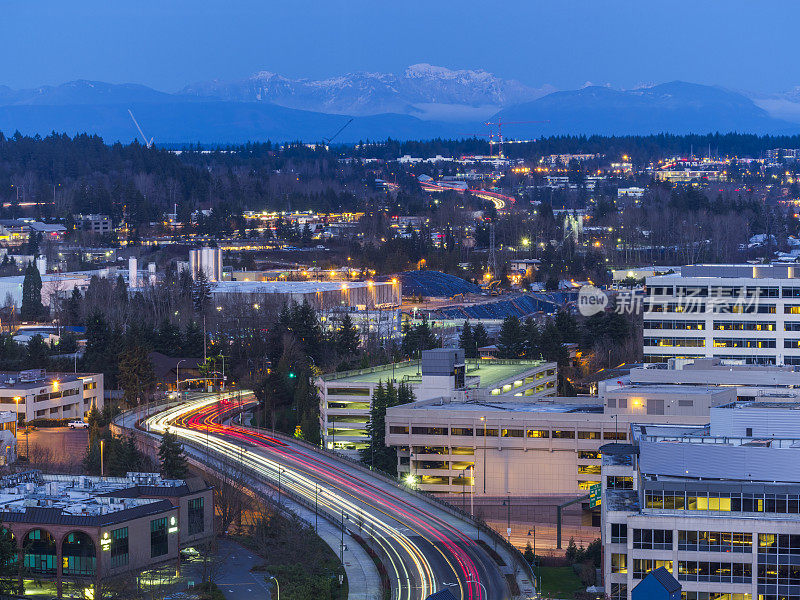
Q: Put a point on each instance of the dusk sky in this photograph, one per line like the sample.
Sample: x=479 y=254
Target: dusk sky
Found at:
x=167 y=44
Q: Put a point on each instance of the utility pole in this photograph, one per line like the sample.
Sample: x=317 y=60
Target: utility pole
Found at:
x=492 y=253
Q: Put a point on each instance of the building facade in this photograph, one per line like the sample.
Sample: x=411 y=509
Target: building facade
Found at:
x=746 y=313
x=37 y=394
x=74 y=534
x=535 y=447
x=720 y=512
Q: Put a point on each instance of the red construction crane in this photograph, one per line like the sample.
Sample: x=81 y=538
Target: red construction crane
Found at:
x=500 y=124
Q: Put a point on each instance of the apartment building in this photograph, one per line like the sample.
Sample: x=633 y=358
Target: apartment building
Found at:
x=74 y=533
x=345 y=398
x=745 y=313
x=38 y=394
x=537 y=448
x=718 y=506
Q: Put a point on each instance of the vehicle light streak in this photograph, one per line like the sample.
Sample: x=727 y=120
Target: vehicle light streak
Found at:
x=379 y=510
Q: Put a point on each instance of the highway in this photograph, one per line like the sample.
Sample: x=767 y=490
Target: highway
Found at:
x=424 y=548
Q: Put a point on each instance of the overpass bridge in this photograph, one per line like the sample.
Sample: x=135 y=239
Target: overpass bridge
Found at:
x=424 y=545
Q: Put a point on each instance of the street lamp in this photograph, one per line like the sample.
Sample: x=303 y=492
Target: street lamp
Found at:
x=341 y=548
x=534 y=549
x=280 y=470
x=277 y=586
x=177 y=370
x=485 y=593
x=507 y=503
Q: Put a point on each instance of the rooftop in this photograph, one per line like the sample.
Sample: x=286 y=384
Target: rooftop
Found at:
x=288 y=287
x=32 y=495
x=33 y=378
x=581 y=405
x=491 y=371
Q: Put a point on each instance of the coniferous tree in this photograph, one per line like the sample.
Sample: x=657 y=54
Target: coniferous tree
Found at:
x=377 y=454
x=532 y=339
x=173 y=461
x=480 y=335
x=31 y=309
x=510 y=342
x=36 y=355
x=201 y=293
x=467 y=341
x=346 y=337
x=136 y=375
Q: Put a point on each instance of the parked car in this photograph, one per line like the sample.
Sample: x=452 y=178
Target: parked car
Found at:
x=77 y=424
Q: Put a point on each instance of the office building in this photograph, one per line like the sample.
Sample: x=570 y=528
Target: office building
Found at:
x=745 y=313
x=37 y=394
x=97 y=224
x=717 y=505
x=75 y=532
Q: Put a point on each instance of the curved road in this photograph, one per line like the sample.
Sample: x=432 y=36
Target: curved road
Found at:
x=423 y=548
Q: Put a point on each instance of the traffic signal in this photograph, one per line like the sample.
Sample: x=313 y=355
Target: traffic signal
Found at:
x=292 y=374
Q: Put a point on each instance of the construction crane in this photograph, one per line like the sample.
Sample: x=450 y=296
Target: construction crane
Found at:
x=144 y=137
x=500 y=124
x=333 y=137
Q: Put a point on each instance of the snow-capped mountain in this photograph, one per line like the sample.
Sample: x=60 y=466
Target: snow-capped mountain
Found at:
x=784 y=105
x=422 y=90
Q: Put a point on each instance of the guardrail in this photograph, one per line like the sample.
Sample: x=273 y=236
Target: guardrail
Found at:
x=498 y=539
x=250 y=480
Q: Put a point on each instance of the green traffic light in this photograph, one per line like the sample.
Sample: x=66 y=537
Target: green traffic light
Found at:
x=292 y=375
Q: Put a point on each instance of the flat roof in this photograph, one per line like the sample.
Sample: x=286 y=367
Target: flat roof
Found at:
x=666 y=388
x=521 y=406
x=32 y=496
x=289 y=287
x=761 y=404
x=491 y=371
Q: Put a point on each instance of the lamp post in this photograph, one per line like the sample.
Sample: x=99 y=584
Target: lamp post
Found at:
x=277 y=586
x=177 y=381
x=534 y=550
x=102 y=469
x=341 y=548
x=507 y=503
x=280 y=470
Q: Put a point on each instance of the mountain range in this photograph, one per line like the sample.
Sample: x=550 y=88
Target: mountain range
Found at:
x=423 y=101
